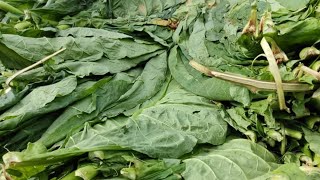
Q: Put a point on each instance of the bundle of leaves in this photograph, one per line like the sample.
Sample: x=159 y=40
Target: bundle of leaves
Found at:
x=162 y=89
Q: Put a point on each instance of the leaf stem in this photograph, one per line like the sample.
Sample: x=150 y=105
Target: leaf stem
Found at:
x=293 y=133
x=33 y=65
x=201 y=68
x=273 y=68
x=87 y=172
x=310 y=71
x=8 y=8
x=284 y=140
x=252 y=83
x=275 y=135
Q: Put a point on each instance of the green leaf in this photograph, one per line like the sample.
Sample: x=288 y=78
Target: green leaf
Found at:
x=170 y=128
x=133 y=8
x=196 y=44
x=264 y=108
x=244 y=144
x=37 y=99
x=59 y=8
x=155 y=130
x=297 y=34
x=236 y=160
x=287 y=171
x=97 y=66
x=11 y=59
x=238 y=119
x=79 y=48
x=91 y=32
x=313 y=138
x=196 y=83
x=294 y=5
x=74 y=117
x=299 y=105
x=21 y=173
x=146 y=86
x=12 y=97
x=32 y=131
x=28 y=111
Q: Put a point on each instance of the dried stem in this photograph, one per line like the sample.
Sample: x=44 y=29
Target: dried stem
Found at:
x=273 y=68
x=252 y=83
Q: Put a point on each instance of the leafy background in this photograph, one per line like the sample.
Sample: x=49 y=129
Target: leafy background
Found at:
x=122 y=101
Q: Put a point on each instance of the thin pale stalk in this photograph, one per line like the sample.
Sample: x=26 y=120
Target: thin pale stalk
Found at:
x=310 y=71
x=252 y=83
x=273 y=68
x=33 y=66
x=200 y=68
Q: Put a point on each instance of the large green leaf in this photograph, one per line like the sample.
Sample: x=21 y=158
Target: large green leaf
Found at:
x=195 y=82
x=298 y=34
x=12 y=97
x=37 y=99
x=91 y=32
x=26 y=109
x=237 y=159
x=58 y=8
x=141 y=8
x=75 y=116
x=32 y=131
x=156 y=130
x=170 y=128
x=82 y=69
x=286 y=171
x=79 y=48
x=294 y=5
x=110 y=100
x=146 y=86
x=246 y=145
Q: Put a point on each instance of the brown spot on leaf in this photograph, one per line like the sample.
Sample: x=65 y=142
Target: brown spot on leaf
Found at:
x=174 y=24
x=142 y=9
x=211 y=4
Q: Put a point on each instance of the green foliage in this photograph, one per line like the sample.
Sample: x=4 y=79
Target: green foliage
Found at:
x=125 y=101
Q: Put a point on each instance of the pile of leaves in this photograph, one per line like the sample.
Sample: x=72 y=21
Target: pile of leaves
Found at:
x=161 y=89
